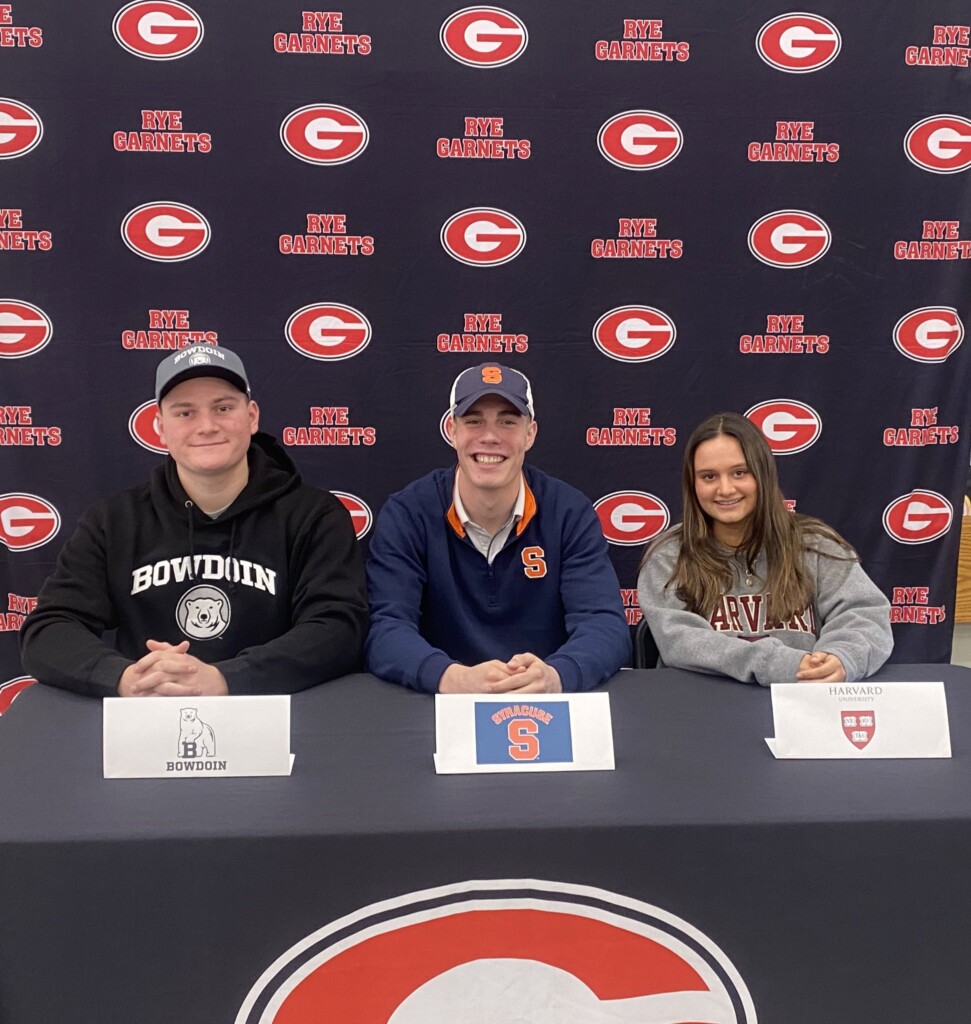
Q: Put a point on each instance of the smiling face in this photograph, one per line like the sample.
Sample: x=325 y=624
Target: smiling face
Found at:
x=491 y=440
x=726 y=488
x=206 y=425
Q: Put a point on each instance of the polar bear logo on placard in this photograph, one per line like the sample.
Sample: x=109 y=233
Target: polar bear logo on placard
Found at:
x=196 y=738
x=203 y=613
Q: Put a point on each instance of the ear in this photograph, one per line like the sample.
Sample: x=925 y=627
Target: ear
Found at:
x=254 y=417
x=531 y=434
x=157 y=424
x=450 y=429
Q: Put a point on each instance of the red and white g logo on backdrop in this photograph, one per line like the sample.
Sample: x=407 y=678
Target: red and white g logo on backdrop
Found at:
x=27 y=521
x=158 y=29
x=634 y=334
x=442 y=428
x=323 y=133
x=10 y=689
x=788 y=426
x=929 y=334
x=630 y=518
x=797 y=43
x=165 y=232
x=918 y=517
x=483 y=236
x=359 y=512
x=483 y=37
x=941 y=144
x=141 y=426
x=789 y=238
x=502 y=950
x=24 y=329
x=21 y=129
x=640 y=140
x=328 y=331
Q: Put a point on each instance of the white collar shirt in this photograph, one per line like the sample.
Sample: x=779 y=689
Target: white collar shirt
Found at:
x=487 y=545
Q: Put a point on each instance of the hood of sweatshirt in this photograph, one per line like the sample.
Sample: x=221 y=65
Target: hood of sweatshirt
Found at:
x=271 y=474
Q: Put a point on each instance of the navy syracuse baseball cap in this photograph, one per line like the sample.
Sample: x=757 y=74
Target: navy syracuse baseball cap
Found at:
x=491 y=379
x=200 y=361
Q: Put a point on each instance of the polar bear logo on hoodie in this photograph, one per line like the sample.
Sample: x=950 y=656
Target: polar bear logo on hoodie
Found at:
x=203 y=613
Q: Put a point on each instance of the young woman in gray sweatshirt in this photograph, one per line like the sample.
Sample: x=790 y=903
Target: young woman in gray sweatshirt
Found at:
x=744 y=588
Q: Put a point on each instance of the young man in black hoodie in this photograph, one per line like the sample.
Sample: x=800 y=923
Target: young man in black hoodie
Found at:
x=224 y=574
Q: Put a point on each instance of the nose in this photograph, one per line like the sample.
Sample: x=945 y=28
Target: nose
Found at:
x=726 y=485
x=205 y=423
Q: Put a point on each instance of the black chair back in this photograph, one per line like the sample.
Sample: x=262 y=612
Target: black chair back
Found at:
x=645 y=649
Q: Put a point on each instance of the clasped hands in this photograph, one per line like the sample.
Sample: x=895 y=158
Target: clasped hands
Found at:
x=820 y=667
x=523 y=673
x=168 y=670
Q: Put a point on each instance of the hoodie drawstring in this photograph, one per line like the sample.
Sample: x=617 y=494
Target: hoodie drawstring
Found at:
x=189 y=506
x=229 y=560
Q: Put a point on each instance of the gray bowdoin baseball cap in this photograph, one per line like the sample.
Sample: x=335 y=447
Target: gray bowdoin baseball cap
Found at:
x=200 y=361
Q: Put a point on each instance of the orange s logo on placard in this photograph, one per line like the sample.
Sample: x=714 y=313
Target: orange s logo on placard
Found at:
x=491 y=374
x=534 y=563
x=524 y=746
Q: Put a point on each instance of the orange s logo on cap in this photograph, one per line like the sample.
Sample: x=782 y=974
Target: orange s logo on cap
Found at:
x=491 y=375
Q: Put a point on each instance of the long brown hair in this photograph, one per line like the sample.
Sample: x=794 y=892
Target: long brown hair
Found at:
x=703 y=572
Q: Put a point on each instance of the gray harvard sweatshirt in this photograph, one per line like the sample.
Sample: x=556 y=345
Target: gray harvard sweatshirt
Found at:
x=849 y=617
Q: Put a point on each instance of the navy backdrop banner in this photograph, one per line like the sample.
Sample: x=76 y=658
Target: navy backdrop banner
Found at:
x=656 y=211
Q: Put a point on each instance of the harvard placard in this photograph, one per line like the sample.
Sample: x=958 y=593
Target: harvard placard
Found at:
x=860 y=720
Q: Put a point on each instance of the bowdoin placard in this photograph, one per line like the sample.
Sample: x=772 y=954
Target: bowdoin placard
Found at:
x=199 y=737
x=498 y=733
x=860 y=720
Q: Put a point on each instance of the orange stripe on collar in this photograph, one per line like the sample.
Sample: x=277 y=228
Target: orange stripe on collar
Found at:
x=453 y=520
x=529 y=509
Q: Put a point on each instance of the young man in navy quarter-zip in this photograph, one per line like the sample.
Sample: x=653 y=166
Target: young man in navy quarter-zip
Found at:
x=492 y=577
x=224 y=574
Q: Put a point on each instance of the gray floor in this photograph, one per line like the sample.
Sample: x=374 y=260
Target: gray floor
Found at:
x=961 y=651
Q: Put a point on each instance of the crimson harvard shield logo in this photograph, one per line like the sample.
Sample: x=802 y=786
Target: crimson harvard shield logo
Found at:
x=859 y=727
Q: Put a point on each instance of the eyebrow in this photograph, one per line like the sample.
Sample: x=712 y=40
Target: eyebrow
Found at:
x=509 y=410
x=186 y=404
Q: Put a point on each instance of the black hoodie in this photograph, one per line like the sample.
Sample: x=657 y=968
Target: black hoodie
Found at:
x=271 y=592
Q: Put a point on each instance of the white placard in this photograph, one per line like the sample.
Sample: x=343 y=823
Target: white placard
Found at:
x=562 y=732
x=198 y=737
x=860 y=720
